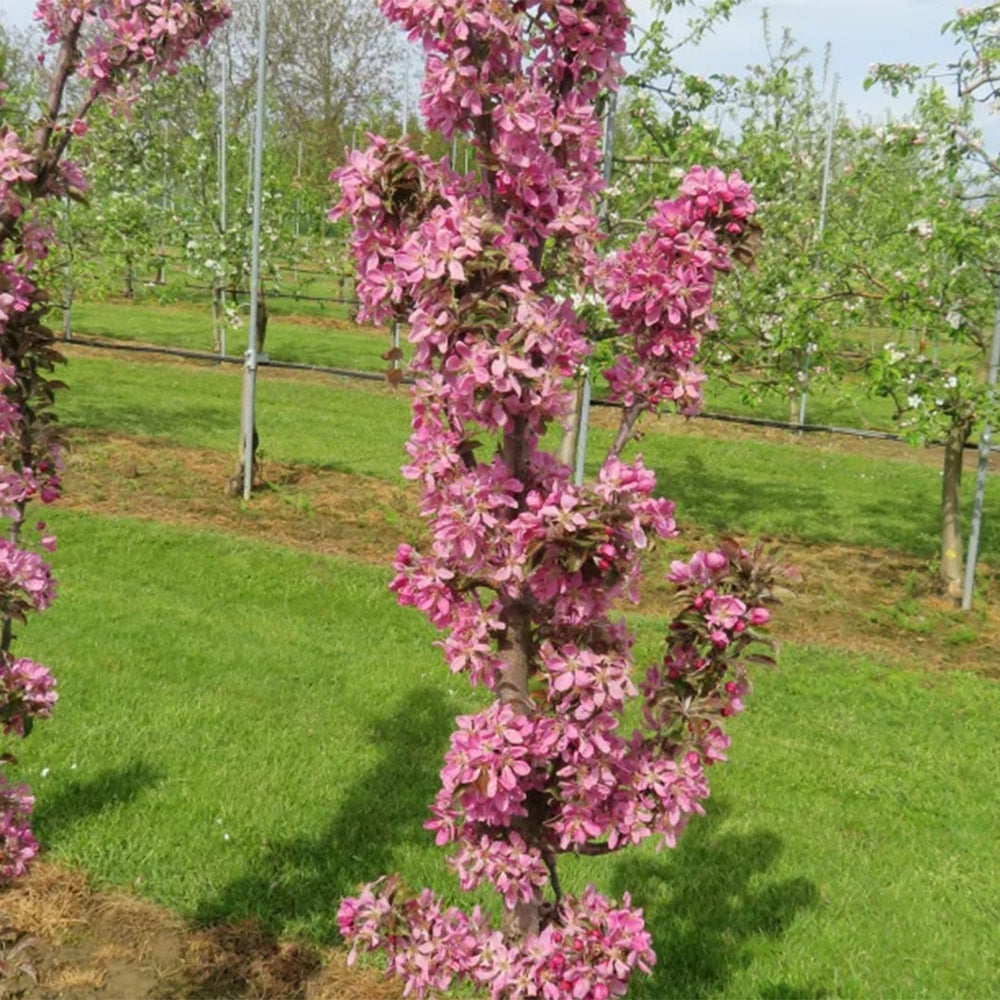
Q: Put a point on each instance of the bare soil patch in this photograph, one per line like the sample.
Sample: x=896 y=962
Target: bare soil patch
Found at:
x=74 y=942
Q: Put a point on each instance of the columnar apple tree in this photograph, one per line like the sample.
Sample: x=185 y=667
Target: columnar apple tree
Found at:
x=523 y=570
x=102 y=48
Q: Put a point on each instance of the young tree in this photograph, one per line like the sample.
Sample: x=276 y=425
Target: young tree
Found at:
x=946 y=286
x=102 y=49
x=524 y=569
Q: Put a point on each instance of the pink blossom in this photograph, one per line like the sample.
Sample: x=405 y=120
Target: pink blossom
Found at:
x=27 y=690
x=521 y=570
x=18 y=847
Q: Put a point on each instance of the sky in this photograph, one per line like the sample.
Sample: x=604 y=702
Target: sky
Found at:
x=860 y=32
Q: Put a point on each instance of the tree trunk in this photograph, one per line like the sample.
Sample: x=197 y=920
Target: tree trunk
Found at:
x=248 y=449
x=129 y=277
x=516 y=650
x=951 y=511
x=68 y=310
x=218 y=315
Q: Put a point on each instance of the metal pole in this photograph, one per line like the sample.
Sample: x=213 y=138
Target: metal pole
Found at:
x=984 y=461
x=298 y=197
x=250 y=141
x=68 y=275
x=581 y=438
x=223 y=195
x=250 y=367
x=827 y=169
x=584 y=430
x=224 y=145
x=166 y=130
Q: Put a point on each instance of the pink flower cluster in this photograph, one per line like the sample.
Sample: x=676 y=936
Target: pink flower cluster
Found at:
x=126 y=36
x=20 y=483
x=25 y=580
x=18 y=847
x=27 y=691
x=589 y=953
x=521 y=80
x=703 y=677
x=659 y=290
x=516 y=870
x=523 y=569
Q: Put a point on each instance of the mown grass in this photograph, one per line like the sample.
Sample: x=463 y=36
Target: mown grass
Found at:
x=324 y=340
x=334 y=423
x=246 y=730
x=794 y=487
x=308 y=332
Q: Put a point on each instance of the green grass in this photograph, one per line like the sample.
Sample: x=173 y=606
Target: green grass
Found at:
x=799 y=488
x=232 y=715
x=322 y=341
x=334 y=423
x=305 y=331
x=846 y=848
x=250 y=731
x=791 y=488
x=246 y=730
x=844 y=405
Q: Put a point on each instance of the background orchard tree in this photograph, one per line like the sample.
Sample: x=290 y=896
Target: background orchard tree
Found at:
x=947 y=289
x=125 y=161
x=772 y=121
x=335 y=69
x=777 y=332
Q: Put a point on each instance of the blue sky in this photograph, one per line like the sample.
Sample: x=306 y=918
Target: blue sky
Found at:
x=860 y=31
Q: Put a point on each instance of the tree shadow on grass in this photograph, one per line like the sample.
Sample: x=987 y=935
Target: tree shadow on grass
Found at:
x=723 y=497
x=300 y=880
x=706 y=902
x=82 y=798
x=720 y=499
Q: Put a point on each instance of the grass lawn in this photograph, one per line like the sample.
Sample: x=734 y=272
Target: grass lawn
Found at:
x=320 y=340
x=789 y=487
x=246 y=730
x=304 y=331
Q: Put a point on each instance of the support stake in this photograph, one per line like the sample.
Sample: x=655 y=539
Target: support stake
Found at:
x=250 y=364
x=984 y=461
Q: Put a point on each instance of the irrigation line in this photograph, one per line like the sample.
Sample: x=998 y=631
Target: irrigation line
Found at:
x=266 y=362
x=238 y=293
x=230 y=359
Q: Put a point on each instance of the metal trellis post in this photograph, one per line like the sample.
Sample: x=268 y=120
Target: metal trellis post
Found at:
x=827 y=169
x=223 y=196
x=984 y=460
x=584 y=429
x=250 y=365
